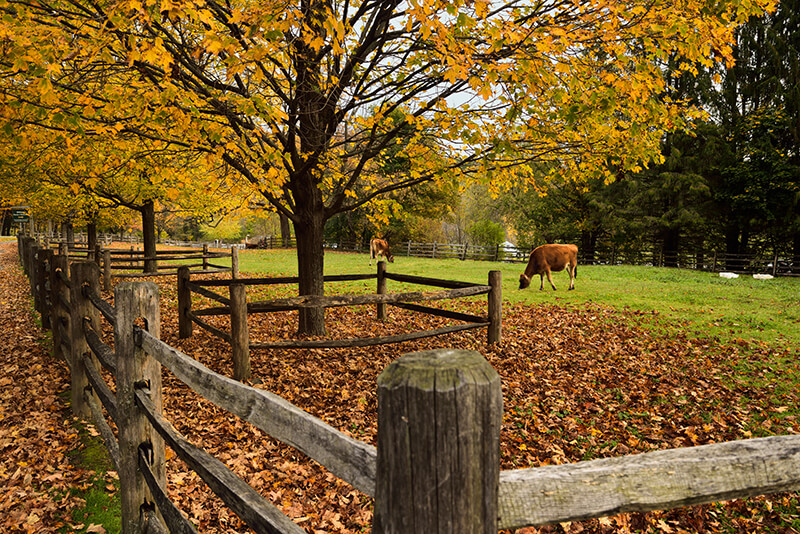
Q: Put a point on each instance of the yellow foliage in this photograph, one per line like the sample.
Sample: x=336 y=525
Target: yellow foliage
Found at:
x=353 y=104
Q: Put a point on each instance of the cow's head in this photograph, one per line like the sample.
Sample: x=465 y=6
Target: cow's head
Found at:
x=390 y=258
x=524 y=281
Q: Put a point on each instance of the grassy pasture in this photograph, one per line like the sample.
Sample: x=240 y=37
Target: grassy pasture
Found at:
x=694 y=303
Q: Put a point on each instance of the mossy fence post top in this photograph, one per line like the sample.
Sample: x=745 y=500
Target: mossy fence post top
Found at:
x=438 y=464
x=436 y=360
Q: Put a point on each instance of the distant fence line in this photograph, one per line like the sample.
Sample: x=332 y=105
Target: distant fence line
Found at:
x=436 y=466
x=703 y=260
x=133 y=263
x=713 y=261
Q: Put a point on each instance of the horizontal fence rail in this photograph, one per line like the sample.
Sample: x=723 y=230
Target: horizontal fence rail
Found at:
x=659 y=480
x=437 y=456
x=349 y=459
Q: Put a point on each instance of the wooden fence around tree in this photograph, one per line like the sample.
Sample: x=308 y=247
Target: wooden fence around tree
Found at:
x=436 y=464
x=236 y=306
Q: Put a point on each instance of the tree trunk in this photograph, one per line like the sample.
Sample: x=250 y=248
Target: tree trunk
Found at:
x=286 y=233
x=795 y=250
x=316 y=127
x=69 y=232
x=149 y=236
x=310 y=262
x=732 y=247
x=671 y=244
x=91 y=235
x=588 y=245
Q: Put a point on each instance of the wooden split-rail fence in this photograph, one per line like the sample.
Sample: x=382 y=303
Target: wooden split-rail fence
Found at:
x=436 y=464
x=236 y=306
x=124 y=263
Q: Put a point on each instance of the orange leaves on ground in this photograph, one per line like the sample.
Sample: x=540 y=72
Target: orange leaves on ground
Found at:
x=578 y=383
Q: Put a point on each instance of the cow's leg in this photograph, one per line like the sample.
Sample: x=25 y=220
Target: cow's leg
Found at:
x=550 y=279
x=571 y=271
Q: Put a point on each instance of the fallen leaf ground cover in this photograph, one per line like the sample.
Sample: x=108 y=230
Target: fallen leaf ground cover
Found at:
x=42 y=482
x=579 y=382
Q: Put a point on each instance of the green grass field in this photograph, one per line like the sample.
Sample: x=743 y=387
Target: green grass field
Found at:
x=683 y=301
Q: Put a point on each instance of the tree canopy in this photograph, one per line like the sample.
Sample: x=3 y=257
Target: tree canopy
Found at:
x=301 y=98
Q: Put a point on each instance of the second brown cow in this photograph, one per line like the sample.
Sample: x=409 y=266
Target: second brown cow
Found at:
x=549 y=258
x=379 y=247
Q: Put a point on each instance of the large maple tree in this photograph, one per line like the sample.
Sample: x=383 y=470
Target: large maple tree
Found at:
x=302 y=98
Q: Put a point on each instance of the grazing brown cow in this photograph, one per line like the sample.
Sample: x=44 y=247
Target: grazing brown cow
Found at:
x=379 y=247
x=550 y=258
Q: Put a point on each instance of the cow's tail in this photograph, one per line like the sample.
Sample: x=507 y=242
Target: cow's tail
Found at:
x=575 y=271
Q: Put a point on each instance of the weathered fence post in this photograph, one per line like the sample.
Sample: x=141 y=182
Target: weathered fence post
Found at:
x=82 y=273
x=184 y=303
x=381 y=307
x=59 y=318
x=136 y=302
x=235 y=262
x=27 y=265
x=439 y=417
x=495 y=307
x=33 y=275
x=107 y=270
x=205 y=257
x=240 y=335
x=42 y=278
x=23 y=251
x=775 y=265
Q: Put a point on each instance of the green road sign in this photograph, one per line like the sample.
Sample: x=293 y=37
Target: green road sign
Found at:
x=19 y=215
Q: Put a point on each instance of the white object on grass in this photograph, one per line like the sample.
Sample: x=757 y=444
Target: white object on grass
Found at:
x=729 y=275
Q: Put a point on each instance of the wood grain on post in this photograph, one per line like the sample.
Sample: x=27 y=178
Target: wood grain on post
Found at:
x=107 y=270
x=234 y=262
x=205 y=257
x=28 y=266
x=34 y=272
x=184 y=303
x=82 y=273
x=136 y=302
x=240 y=335
x=439 y=417
x=23 y=253
x=381 y=307
x=58 y=293
x=42 y=278
x=495 y=307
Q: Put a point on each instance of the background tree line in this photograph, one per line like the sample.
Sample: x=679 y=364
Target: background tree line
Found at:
x=732 y=185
